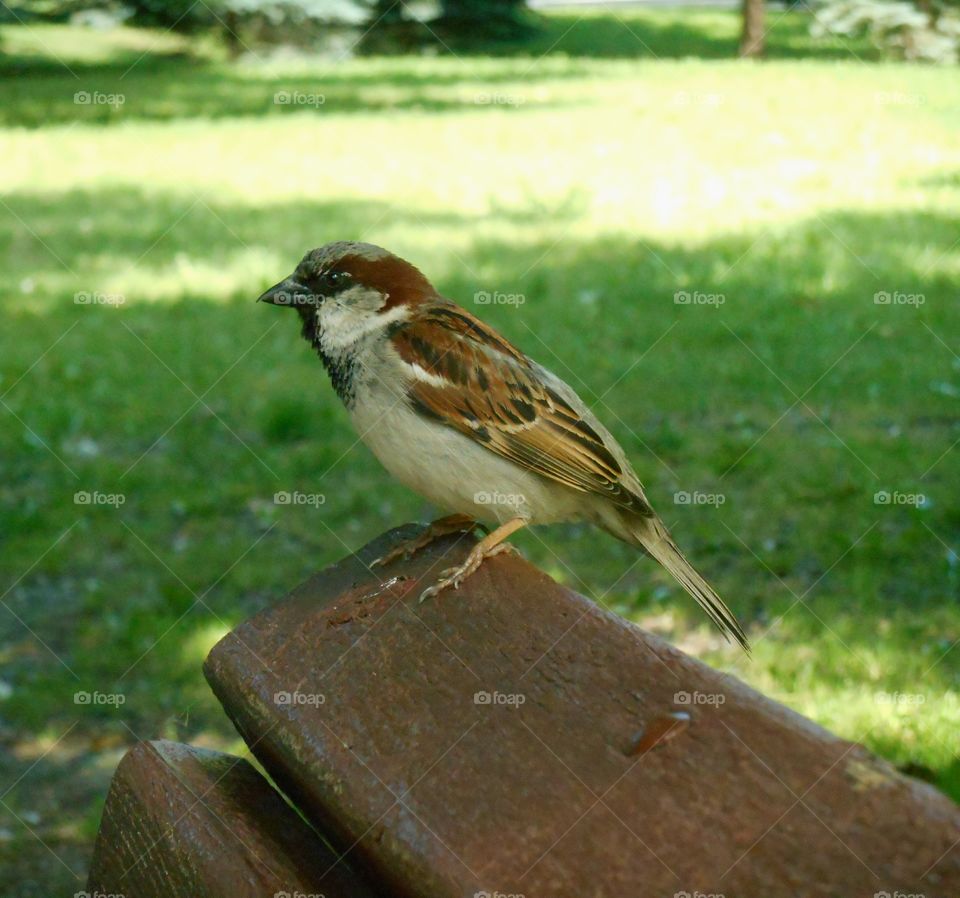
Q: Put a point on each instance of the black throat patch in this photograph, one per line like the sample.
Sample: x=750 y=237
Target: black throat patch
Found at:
x=342 y=367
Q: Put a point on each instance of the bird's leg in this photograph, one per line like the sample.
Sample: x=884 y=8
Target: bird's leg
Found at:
x=492 y=544
x=453 y=523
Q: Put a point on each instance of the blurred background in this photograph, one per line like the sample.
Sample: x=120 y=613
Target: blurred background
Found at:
x=732 y=230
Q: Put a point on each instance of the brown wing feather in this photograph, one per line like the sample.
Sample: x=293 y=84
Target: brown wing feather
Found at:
x=492 y=393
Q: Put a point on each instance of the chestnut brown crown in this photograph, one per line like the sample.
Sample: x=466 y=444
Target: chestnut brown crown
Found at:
x=337 y=267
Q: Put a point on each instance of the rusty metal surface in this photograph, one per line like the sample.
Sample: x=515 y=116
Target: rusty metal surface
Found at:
x=182 y=822
x=512 y=737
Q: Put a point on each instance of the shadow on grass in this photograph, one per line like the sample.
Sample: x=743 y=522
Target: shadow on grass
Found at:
x=106 y=94
x=666 y=33
x=702 y=397
x=41 y=90
x=173 y=85
x=112 y=229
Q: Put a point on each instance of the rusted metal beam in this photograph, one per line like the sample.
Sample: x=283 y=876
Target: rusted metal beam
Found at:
x=512 y=737
x=181 y=822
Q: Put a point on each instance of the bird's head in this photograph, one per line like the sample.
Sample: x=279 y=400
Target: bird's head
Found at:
x=344 y=290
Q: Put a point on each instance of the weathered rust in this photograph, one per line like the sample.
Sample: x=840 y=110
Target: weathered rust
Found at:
x=181 y=822
x=493 y=740
x=659 y=732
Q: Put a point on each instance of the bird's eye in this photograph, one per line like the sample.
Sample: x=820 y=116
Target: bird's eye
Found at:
x=336 y=278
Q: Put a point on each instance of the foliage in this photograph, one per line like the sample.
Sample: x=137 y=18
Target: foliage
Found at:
x=40 y=10
x=901 y=28
x=472 y=21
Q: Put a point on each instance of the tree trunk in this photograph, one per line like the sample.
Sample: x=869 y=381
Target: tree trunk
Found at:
x=231 y=25
x=752 y=38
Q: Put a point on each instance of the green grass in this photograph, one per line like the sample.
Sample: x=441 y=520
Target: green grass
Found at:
x=597 y=188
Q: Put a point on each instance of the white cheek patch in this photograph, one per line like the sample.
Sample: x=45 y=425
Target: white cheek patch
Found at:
x=362 y=298
x=343 y=326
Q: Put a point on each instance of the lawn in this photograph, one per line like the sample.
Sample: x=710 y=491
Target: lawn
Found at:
x=814 y=425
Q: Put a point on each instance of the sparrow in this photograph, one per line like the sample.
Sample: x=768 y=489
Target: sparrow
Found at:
x=457 y=413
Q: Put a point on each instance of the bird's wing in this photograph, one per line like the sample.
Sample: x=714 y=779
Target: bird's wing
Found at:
x=466 y=376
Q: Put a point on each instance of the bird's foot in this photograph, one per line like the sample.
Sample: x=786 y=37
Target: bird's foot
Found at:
x=454 y=576
x=454 y=523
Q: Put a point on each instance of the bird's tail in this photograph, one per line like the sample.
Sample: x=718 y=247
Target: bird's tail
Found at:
x=655 y=538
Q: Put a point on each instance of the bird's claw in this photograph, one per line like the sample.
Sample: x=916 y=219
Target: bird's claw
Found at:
x=452 y=576
x=431 y=591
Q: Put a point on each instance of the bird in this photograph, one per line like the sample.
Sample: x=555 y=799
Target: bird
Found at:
x=458 y=414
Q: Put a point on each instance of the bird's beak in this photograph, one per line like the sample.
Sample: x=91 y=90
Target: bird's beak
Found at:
x=288 y=293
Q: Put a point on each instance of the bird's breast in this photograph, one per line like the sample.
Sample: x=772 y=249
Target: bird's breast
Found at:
x=453 y=471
